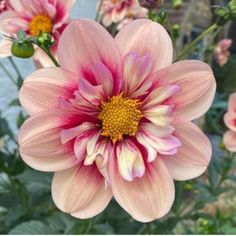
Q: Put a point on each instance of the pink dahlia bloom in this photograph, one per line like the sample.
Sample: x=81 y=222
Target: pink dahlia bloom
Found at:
x=34 y=16
x=230 y=122
x=117 y=111
x=222 y=51
x=116 y=11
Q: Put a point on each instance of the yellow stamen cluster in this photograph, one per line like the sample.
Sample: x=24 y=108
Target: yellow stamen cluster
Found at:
x=40 y=23
x=119 y=116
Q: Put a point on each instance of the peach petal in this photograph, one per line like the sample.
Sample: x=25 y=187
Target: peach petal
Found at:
x=130 y=162
x=232 y=103
x=42 y=89
x=80 y=191
x=89 y=43
x=147 y=198
x=145 y=37
x=193 y=156
x=230 y=120
x=5 y=48
x=44 y=130
x=197 y=87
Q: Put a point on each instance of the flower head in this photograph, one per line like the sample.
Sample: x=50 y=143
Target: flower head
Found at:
x=117 y=11
x=230 y=122
x=117 y=111
x=35 y=17
x=222 y=51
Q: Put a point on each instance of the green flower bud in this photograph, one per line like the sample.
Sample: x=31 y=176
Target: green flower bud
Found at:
x=22 y=49
x=232 y=10
x=177 y=4
x=223 y=15
x=45 y=40
x=176 y=30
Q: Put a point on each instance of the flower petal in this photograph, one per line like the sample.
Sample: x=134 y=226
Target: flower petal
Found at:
x=42 y=89
x=146 y=37
x=88 y=43
x=232 y=102
x=80 y=191
x=147 y=198
x=130 y=161
x=197 y=87
x=5 y=48
x=40 y=141
x=136 y=70
x=193 y=155
x=230 y=140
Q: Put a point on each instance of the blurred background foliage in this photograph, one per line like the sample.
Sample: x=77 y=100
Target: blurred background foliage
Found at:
x=206 y=205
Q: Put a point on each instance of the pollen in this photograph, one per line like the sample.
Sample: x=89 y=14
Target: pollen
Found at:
x=119 y=116
x=40 y=24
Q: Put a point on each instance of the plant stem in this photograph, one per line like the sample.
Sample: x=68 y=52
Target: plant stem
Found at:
x=98 y=11
x=48 y=52
x=189 y=47
x=15 y=67
x=8 y=74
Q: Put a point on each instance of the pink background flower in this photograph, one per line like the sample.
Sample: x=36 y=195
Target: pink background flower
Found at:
x=115 y=120
x=117 y=11
x=222 y=51
x=230 y=122
x=34 y=16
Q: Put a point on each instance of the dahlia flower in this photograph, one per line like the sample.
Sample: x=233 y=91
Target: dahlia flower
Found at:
x=116 y=11
x=115 y=120
x=34 y=17
x=230 y=121
x=222 y=51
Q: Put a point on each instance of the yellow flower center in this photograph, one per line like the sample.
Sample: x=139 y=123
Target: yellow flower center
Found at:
x=119 y=116
x=40 y=23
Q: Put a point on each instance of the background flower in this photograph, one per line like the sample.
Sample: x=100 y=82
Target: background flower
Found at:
x=33 y=17
x=117 y=11
x=222 y=51
x=230 y=122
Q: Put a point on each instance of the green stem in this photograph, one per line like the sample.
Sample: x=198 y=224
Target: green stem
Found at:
x=98 y=11
x=190 y=47
x=8 y=74
x=15 y=67
x=48 y=52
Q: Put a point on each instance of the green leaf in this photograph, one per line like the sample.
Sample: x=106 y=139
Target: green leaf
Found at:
x=30 y=227
x=14 y=102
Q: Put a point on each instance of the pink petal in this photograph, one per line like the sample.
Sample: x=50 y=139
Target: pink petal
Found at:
x=42 y=89
x=145 y=37
x=11 y=22
x=230 y=120
x=88 y=43
x=197 y=87
x=130 y=161
x=136 y=70
x=40 y=141
x=147 y=198
x=80 y=191
x=230 y=140
x=103 y=77
x=93 y=94
x=160 y=115
x=232 y=102
x=193 y=156
x=5 y=48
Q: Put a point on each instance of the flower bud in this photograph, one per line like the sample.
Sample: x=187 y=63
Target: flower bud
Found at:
x=223 y=15
x=149 y=4
x=45 y=40
x=176 y=30
x=22 y=49
x=232 y=10
x=177 y=4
